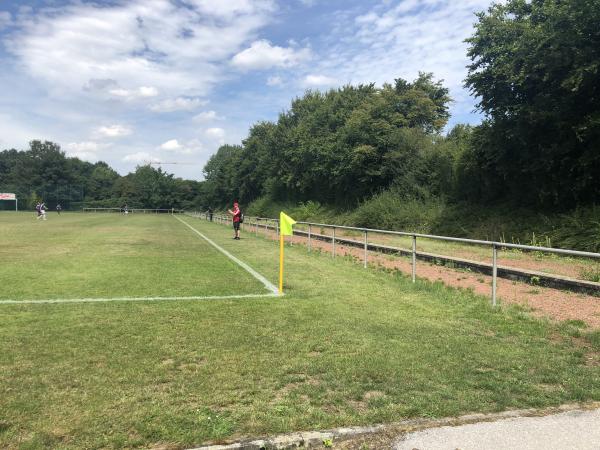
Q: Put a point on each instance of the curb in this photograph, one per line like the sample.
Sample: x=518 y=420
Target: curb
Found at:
x=315 y=439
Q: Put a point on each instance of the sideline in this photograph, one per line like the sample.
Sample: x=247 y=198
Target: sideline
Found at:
x=270 y=286
x=131 y=299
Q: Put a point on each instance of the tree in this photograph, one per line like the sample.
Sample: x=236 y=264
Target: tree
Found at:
x=43 y=172
x=536 y=69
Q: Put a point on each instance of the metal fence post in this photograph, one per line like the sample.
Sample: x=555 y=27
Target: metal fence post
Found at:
x=494 y=272
x=366 y=247
x=309 y=230
x=414 y=258
x=333 y=242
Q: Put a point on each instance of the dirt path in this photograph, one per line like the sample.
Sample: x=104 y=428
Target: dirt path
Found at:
x=545 y=302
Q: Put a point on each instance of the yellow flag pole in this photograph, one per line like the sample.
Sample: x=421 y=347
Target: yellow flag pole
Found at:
x=280 y=263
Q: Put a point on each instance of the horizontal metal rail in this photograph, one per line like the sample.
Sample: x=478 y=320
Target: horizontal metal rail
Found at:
x=461 y=240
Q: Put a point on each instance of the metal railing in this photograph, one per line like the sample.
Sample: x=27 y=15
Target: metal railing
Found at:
x=264 y=222
x=136 y=210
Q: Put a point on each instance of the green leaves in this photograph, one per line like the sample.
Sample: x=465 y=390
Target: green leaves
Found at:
x=336 y=147
x=535 y=67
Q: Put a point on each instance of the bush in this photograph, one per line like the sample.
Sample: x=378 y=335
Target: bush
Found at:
x=391 y=211
x=579 y=229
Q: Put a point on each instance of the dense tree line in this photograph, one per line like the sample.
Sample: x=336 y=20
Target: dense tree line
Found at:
x=343 y=146
x=536 y=68
x=43 y=172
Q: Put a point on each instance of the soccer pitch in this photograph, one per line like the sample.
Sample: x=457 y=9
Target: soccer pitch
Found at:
x=112 y=256
x=344 y=346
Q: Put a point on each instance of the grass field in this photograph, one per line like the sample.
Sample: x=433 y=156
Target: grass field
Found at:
x=345 y=346
x=109 y=255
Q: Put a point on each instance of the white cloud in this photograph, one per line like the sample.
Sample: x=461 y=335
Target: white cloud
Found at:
x=190 y=147
x=86 y=151
x=84 y=156
x=140 y=157
x=147 y=91
x=274 y=81
x=319 y=80
x=178 y=104
x=120 y=92
x=113 y=131
x=262 y=55
x=398 y=40
x=207 y=116
x=160 y=44
x=5 y=19
x=142 y=91
x=230 y=8
x=215 y=134
x=171 y=145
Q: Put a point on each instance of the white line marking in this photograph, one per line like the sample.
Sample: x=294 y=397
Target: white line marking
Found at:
x=270 y=286
x=132 y=299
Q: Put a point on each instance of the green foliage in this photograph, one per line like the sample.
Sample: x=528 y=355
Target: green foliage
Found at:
x=503 y=223
x=390 y=210
x=594 y=339
x=340 y=147
x=44 y=173
x=579 y=229
x=535 y=67
x=310 y=210
x=591 y=274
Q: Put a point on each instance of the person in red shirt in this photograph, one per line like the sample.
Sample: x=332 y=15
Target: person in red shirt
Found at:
x=236 y=213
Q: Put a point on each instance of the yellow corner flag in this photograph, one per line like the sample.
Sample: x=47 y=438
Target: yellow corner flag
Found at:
x=285 y=224
x=285 y=229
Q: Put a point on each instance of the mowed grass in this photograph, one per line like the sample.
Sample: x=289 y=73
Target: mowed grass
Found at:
x=345 y=346
x=111 y=255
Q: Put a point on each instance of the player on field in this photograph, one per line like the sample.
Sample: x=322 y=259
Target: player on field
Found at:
x=236 y=213
x=41 y=211
x=58 y=209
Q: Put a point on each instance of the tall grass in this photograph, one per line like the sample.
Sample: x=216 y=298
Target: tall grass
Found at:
x=578 y=229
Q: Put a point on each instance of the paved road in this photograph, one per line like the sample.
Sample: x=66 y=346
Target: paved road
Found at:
x=573 y=430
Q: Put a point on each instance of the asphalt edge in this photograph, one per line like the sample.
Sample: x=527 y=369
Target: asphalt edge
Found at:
x=318 y=439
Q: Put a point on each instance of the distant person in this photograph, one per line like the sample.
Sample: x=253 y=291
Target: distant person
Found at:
x=125 y=210
x=210 y=213
x=58 y=209
x=42 y=211
x=236 y=213
x=37 y=208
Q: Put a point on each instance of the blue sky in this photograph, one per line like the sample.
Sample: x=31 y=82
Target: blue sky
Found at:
x=129 y=82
